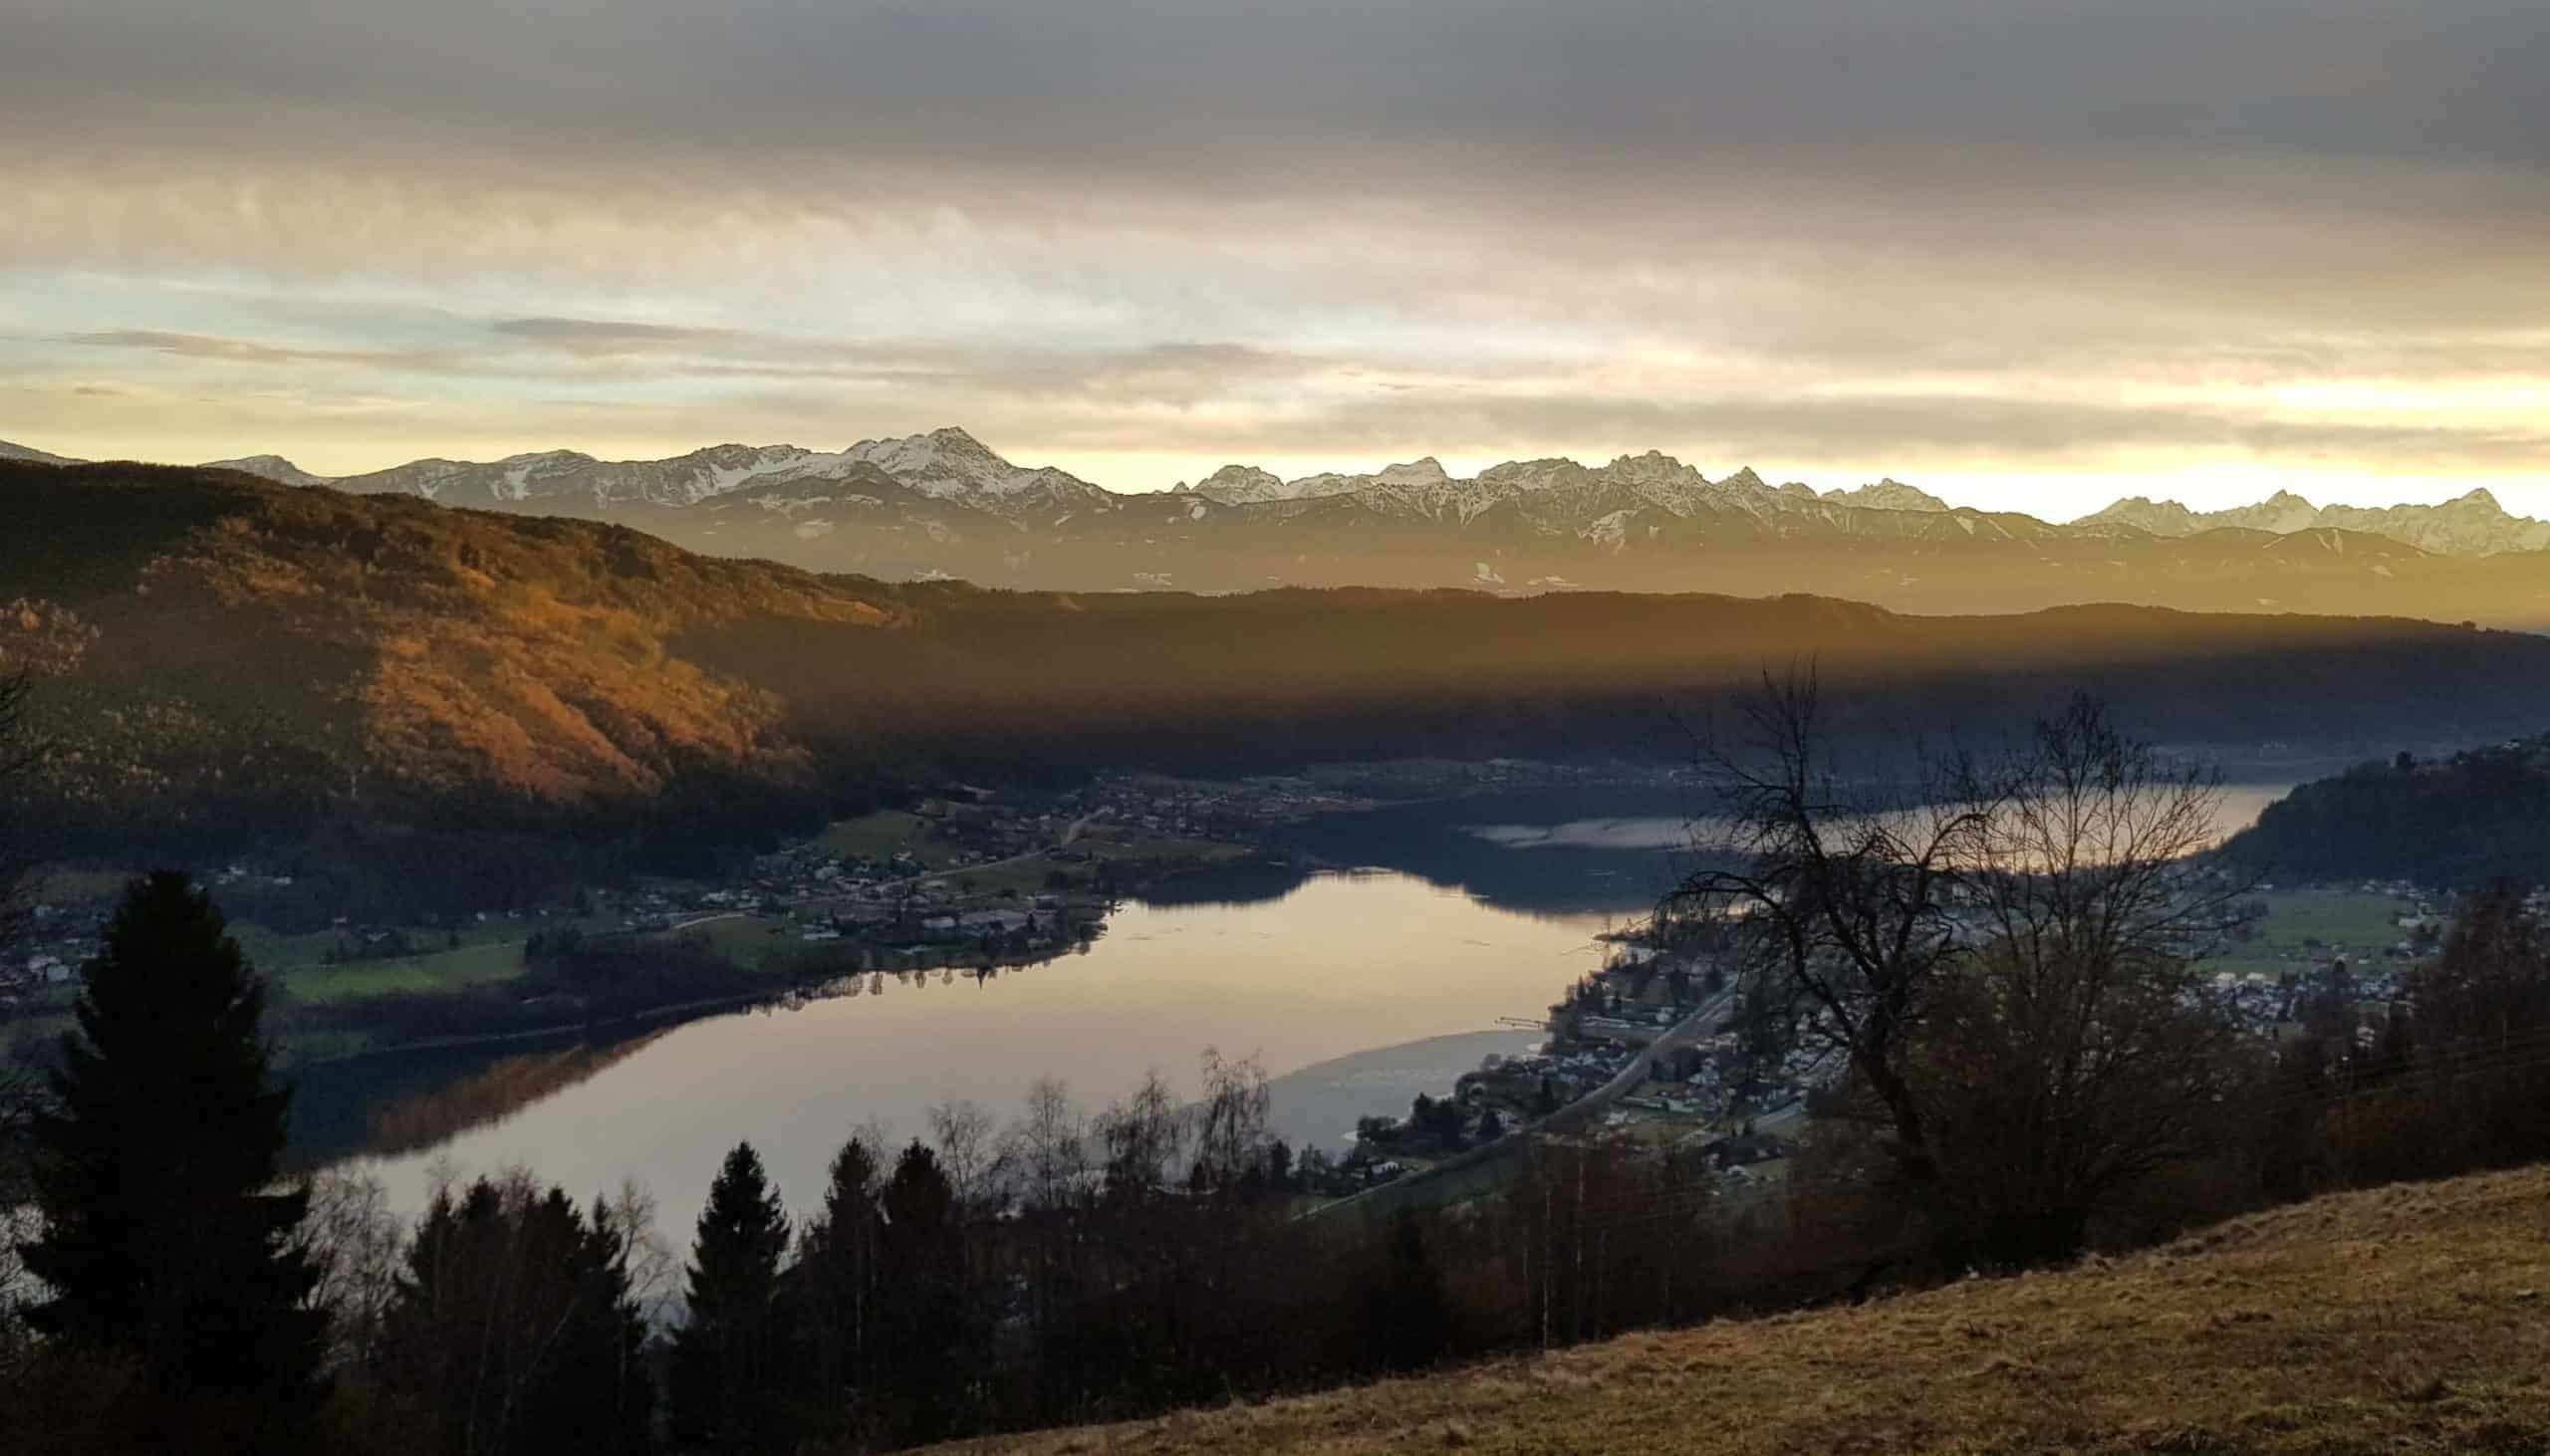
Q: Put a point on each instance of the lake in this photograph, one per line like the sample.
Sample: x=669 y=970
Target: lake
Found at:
x=1355 y=987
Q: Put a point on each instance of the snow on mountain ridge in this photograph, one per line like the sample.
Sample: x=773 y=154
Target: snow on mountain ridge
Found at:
x=1888 y=494
x=949 y=464
x=271 y=467
x=1550 y=494
x=2473 y=524
x=33 y=456
x=1239 y=485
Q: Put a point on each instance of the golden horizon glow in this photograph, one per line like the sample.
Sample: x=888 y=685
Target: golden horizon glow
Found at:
x=1826 y=241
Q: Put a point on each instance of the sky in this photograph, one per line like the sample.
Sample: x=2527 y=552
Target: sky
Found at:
x=2028 y=254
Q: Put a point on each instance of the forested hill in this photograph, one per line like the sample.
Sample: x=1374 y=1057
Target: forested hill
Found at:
x=233 y=664
x=2478 y=815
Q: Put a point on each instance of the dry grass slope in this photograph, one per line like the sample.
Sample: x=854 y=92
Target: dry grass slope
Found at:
x=2410 y=1318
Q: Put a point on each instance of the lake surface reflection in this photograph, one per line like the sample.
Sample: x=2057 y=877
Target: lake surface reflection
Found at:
x=1340 y=964
x=1441 y=919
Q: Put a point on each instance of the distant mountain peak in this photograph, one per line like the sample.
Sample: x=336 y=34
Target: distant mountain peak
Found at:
x=34 y=456
x=1888 y=494
x=270 y=467
x=1237 y=485
x=1652 y=467
x=949 y=464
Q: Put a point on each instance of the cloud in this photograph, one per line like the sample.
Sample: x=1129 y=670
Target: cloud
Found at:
x=252 y=351
x=1856 y=236
x=188 y=345
x=605 y=337
x=1162 y=86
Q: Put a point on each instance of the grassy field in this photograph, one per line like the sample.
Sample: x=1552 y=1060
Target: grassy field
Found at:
x=2310 y=924
x=1028 y=875
x=882 y=836
x=745 y=939
x=278 y=953
x=2334 y=917
x=446 y=970
x=2412 y=1319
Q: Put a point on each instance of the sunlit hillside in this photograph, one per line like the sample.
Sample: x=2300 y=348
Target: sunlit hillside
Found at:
x=228 y=661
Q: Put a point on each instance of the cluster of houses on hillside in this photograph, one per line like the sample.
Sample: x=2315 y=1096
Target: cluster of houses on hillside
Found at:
x=1723 y=1089
x=1236 y=813
x=60 y=942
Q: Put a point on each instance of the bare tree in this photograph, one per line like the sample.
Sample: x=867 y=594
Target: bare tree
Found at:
x=360 y=1247
x=1049 y=1146
x=1839 y=884
x=2091 y=851
x=1232 y=1135
x=628 y=1215
x=2002 y=946
x=971 y=1153
x=1141 y=1136
x=2077 y=1053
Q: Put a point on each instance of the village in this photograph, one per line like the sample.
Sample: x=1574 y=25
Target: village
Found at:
x=968 y=878
x=1651 y=1047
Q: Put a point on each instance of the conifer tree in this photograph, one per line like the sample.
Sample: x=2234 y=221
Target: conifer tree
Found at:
x=729 y=1359
x=922 y=1322
x=514 y=1328
x=836 y=1277
x=167 y=1237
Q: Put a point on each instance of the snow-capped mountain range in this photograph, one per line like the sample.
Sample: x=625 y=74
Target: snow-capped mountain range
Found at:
x=1556 y=493
x=2469 y=524
x=940 y=479
x=944 y=465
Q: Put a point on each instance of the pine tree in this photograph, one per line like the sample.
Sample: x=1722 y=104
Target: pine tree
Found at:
x=514 y=1328
x=922 y=1345
x=166 y=1237
x=727 y=1392
x=596 y=1397
x=837 y=1279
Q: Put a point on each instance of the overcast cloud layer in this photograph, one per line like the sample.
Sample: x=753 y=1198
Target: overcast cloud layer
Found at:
x=2030 y=253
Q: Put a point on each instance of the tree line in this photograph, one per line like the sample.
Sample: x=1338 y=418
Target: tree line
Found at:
x=2463 y=819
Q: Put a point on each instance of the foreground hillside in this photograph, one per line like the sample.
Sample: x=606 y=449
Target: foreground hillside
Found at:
x=2413 y=1317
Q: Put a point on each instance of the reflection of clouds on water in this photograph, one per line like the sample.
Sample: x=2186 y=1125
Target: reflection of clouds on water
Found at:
x=1641 y=832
